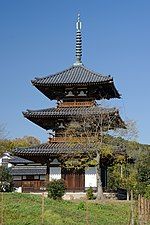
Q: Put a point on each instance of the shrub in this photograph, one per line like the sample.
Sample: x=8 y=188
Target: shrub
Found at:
x=56 y=189
x=89 y=193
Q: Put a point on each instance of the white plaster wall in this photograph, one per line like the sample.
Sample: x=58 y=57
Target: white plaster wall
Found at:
x=90 y=177
x=9 y=165
x=5 y=160
x=55 y=173
x=17 y=177
x=19 y=190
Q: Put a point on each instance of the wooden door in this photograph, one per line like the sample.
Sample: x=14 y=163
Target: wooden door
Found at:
x=74 y=180
x=27 y=186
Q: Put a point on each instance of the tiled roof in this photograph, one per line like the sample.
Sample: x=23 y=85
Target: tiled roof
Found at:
x=73 y=75
x=48 y=149
x=51 y=149
x=69 y=111
x=28 y=170
x=18 y=160
x=48 y=118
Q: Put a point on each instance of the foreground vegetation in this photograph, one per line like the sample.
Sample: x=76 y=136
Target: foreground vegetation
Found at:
x=25 y=209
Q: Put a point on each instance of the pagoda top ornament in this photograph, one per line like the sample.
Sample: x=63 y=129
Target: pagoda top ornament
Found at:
x=78 y=42
x=77 y=82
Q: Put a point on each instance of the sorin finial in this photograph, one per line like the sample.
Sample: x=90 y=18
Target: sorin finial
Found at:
x=78 y=42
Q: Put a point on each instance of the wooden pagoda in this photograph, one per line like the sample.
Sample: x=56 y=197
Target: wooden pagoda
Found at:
x=76 y=90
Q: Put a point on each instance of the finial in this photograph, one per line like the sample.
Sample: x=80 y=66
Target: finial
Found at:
x=78 y=24
x=78 y=42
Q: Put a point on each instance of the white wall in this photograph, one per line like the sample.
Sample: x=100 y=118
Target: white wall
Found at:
x=55 y=173
x=9 y=165
x=90 y=177
x=17 y=177
x=5 y=160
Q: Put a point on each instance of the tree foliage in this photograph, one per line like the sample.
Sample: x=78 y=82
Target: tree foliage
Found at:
x=9 y=144
x=130 y=166
x=3 y=132
x=6 y=180
x=89 y=132
x=134 y=173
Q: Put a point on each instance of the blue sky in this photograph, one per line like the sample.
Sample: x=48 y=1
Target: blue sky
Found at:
x=37 y=38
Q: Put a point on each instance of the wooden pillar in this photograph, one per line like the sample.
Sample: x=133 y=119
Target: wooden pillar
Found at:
x=105 y=177
x=142 y=210
x=47 y=172
x=132 y=209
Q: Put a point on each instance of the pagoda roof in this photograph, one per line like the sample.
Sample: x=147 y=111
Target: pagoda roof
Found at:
x=69 y=111
x=53 y=149
x=74 y=75
x=47 y=118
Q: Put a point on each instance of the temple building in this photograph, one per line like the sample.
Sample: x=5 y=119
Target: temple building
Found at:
x=27 y=175
x=76 y=91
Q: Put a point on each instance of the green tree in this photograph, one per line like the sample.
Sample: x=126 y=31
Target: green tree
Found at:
x=26 y=141
x=133 y=173
x=143 y=170
x=90 y=132
x=5 y=145
x=9 y=144
x=6 y=180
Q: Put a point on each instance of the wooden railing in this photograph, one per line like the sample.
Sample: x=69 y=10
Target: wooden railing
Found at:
x=76 y=104
x=69 y=139
x=64 y=139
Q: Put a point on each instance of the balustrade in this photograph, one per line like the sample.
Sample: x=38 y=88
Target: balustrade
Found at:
x=76 y=104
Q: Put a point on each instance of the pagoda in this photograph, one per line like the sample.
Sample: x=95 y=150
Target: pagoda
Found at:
x=76 y=90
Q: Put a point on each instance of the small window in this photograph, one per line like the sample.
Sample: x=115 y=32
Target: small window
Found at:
x=36 y=177
x=42 y=177
x=28 y=177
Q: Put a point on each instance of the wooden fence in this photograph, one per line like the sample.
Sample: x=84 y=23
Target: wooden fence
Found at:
x=140 y=211
x=143 y=210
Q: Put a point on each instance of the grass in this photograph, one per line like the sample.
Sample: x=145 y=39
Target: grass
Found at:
x=25 y=209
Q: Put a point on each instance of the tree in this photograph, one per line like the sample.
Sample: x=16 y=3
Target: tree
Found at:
x=6 y=180
x=3 y=132
x=128 y=134
x=5 y=145
x=89 y=131
x=9 y=144
x=143 y=170
x=26 y=141
x=132 y=173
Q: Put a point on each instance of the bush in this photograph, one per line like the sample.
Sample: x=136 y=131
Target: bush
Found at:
x=56 y=189
x=89 y=193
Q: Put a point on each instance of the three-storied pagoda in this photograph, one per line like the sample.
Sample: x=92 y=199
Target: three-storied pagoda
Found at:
x=76 y=90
